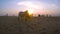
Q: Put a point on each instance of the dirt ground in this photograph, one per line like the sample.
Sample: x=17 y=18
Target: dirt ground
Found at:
x=36 y=25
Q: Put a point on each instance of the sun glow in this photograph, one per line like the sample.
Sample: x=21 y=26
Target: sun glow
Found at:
x=30 y=11
x=32 y=8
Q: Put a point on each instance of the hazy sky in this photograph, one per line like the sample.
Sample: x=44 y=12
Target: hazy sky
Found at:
x=12 y=7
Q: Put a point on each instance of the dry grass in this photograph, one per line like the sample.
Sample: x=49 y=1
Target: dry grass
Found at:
x=36 y=25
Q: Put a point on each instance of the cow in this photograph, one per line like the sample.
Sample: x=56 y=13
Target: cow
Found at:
x=23 y=16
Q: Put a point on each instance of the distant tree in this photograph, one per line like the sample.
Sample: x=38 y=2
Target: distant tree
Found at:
x=39 y=15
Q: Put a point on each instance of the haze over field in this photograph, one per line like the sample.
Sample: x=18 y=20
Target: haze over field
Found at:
x=12 y=7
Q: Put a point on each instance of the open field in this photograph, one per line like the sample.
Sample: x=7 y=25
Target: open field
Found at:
x=36 y=25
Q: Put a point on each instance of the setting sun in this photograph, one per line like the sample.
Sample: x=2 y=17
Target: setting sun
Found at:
x=30 y=11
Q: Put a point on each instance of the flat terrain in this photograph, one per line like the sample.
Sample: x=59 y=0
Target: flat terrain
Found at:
x=36 y=25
